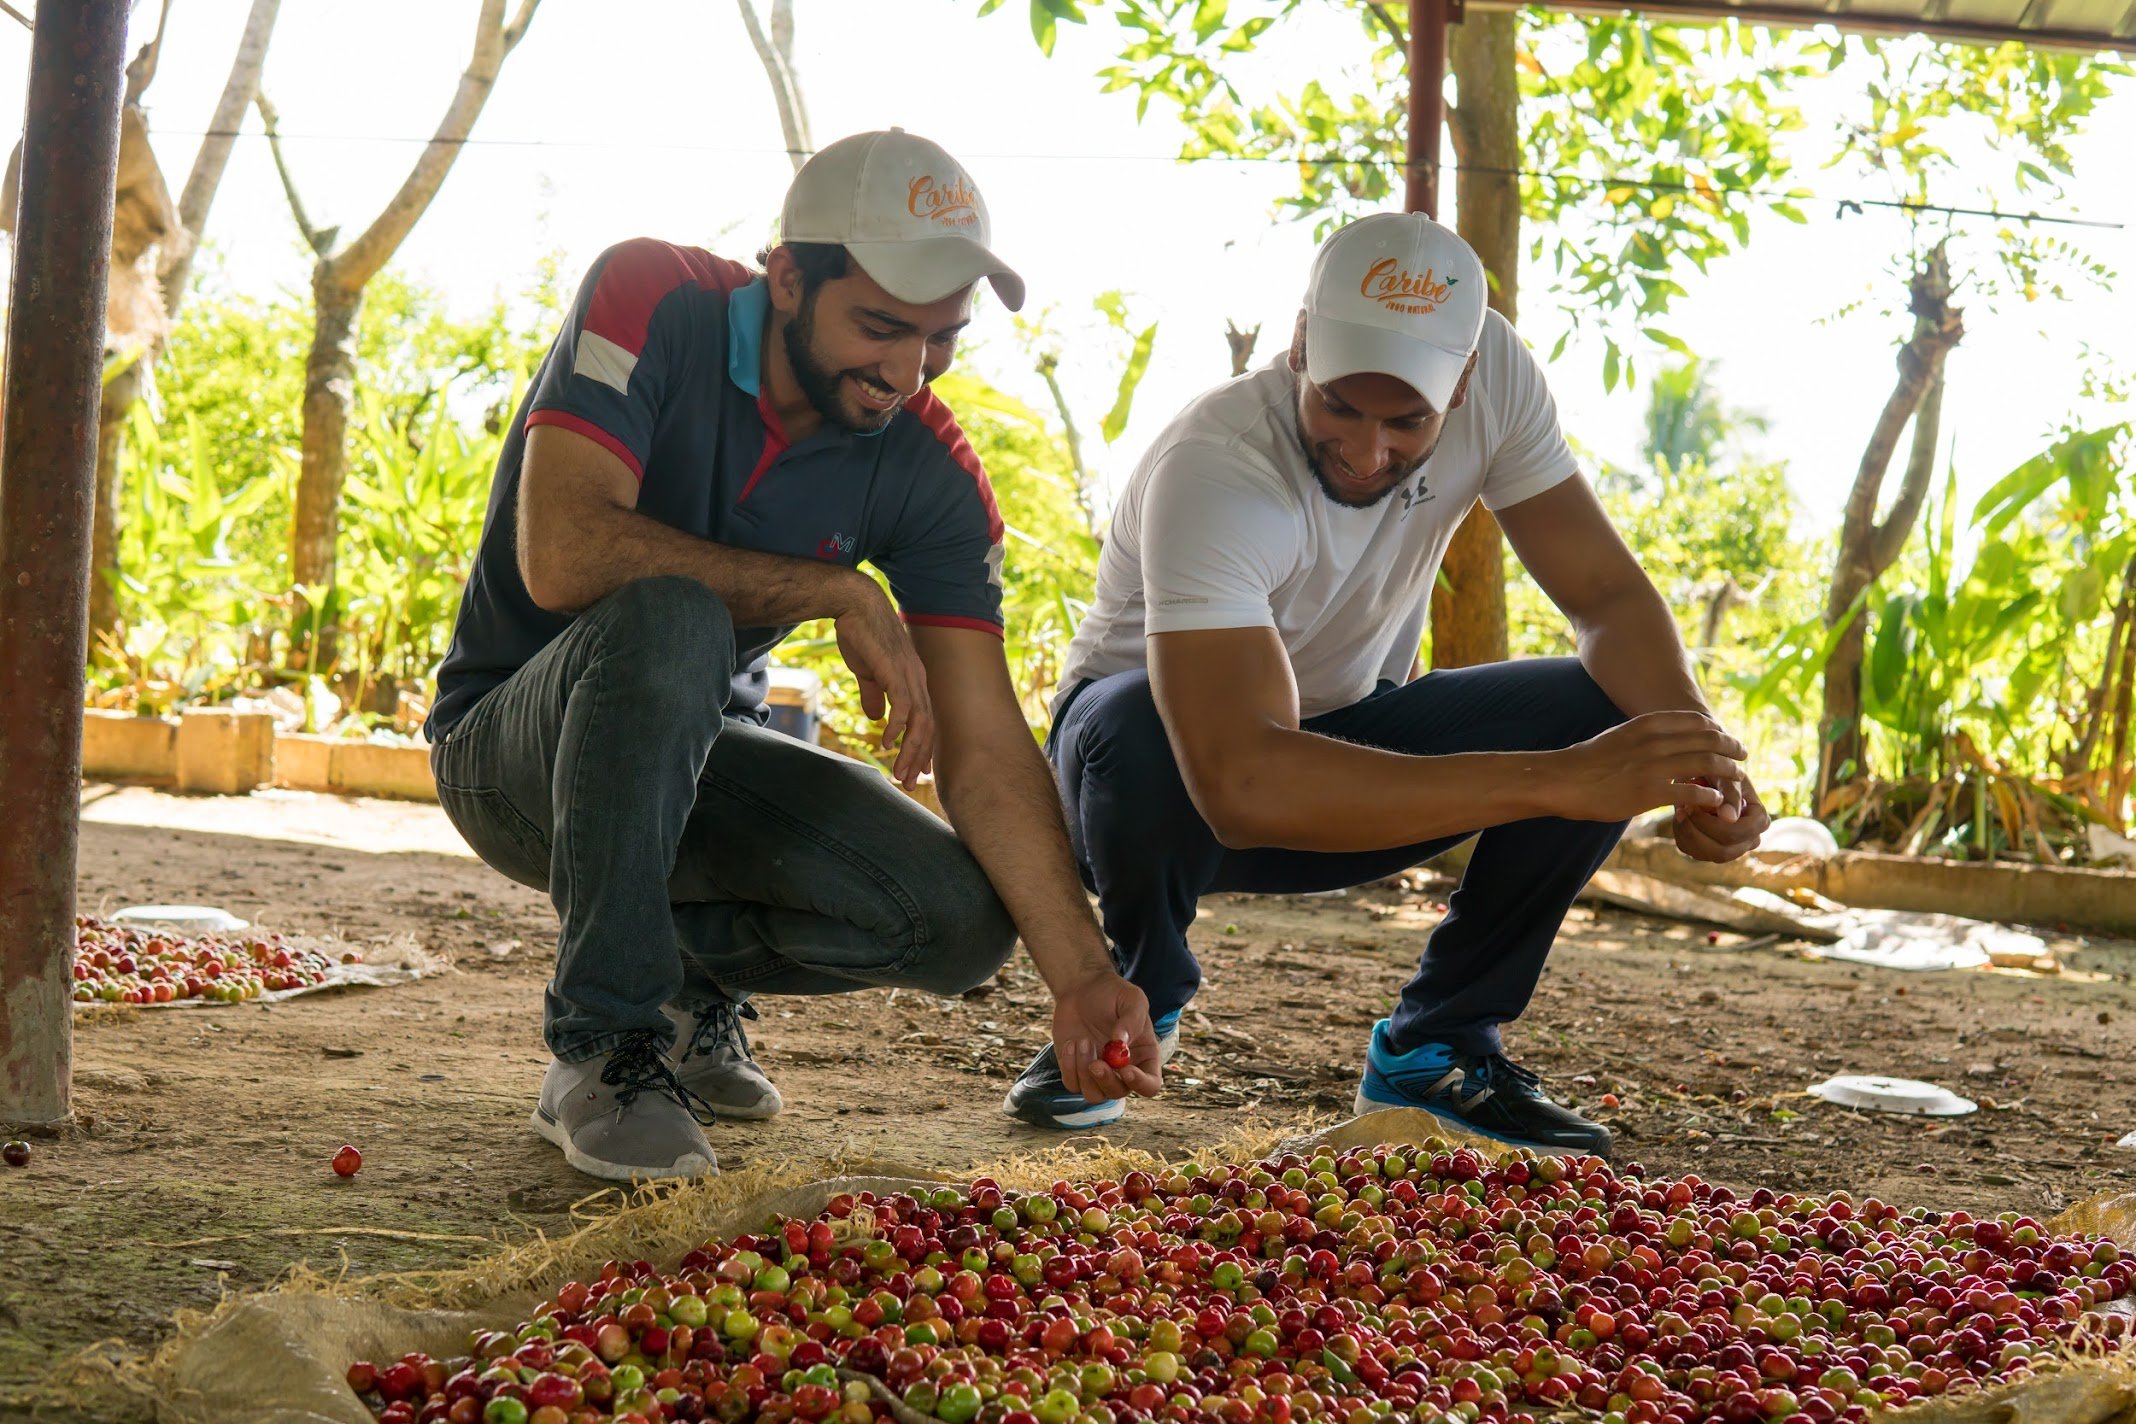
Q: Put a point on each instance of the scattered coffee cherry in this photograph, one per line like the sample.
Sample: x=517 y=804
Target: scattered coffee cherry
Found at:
x=348 y=1161
x=16 y=1153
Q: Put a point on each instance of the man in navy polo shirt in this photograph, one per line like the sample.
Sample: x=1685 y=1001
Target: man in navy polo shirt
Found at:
x=706 y=456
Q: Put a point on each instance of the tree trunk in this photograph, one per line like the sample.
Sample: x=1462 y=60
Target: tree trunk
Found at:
x=1868 y=546
x=174 y=265
x=337 y=298
x=2120 y=770
x=775 y=52
x=120 y=392
x=1468 y=607
x=329 y=391
x=214 y=154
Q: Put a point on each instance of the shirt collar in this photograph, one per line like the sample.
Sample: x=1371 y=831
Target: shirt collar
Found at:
x=746 y=310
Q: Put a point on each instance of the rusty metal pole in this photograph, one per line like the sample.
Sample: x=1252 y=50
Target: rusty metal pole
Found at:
x=48 y=436
x=1427 y=103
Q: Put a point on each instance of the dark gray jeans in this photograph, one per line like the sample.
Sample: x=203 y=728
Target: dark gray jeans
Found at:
x=690 y=855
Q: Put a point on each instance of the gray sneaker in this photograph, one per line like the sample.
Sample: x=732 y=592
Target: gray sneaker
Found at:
x=624 y=1116
x=711 y=1056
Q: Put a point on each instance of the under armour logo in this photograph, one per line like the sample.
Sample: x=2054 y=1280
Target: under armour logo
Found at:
x=1414 y=495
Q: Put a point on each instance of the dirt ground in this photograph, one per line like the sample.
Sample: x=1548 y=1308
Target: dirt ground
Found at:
x=199 y=1162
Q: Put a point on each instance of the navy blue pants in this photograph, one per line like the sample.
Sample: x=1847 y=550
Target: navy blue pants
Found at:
x=1149 y=855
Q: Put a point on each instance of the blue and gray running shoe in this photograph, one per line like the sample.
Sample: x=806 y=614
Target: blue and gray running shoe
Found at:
x=1486 y=1093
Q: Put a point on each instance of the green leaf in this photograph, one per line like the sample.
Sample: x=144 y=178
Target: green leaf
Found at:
x=2015 y=492
x=1138 y=363
x=205 y=502
x=1209 y=18
x=1675 y=343
x=1611 y=360
x=1043 y=26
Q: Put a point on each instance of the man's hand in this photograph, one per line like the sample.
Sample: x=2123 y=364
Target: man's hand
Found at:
x=1087 y=1014
x=1727 y=831
x=1660 y=759
x=893 y=681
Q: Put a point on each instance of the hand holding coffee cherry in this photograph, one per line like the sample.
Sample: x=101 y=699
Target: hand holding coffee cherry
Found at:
x=1099 y=1023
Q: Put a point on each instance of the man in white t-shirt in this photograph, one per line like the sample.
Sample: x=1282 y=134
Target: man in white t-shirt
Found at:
x=1240 y=711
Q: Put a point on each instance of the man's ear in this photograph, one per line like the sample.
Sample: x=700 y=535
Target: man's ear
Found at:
x=783 y=275
x=1297 y=346
x=1461 y=387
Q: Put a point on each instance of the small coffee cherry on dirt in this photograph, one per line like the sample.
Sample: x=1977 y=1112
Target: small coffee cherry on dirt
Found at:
x=16 y=1154
x=1116 y=1054
x=347 y=1162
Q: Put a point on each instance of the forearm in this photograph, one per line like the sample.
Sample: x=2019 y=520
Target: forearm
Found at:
x=1001 y=797
x=1632 y=649
x=1298 y=791
x=573 y=563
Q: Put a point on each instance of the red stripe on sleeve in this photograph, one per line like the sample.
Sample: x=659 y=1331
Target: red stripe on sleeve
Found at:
x=639 y=274
x=579 y=425
x=937 y=418
x=941 y=620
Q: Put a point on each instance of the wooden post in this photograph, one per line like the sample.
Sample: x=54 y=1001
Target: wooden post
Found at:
x=1427 y=103
x=48 y=439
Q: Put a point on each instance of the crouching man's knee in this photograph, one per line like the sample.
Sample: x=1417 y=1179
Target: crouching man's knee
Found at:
x=970 y=933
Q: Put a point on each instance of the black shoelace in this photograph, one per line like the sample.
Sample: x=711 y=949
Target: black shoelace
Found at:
x=637 y=1065
x=1495 y=1065
x=1490 y=1071
x=1496 y=1070
x=718 y=1023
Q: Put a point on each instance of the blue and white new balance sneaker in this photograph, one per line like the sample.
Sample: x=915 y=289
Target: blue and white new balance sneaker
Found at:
x=1040 y=1098
x=1487 y=1093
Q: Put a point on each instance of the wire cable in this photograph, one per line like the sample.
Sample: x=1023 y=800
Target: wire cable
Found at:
x=1842 y=204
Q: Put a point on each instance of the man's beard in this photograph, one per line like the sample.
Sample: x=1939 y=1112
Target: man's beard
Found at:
x=822 y=385
x=1335 y=494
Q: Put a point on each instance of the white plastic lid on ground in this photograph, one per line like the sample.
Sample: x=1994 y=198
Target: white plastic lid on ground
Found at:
x=2129 y=1141
x=1894 y=1095
x=1799 y=835
x=190 y=919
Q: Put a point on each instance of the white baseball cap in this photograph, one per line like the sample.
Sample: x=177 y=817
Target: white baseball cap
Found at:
x=908 y=212
x=1395 y=294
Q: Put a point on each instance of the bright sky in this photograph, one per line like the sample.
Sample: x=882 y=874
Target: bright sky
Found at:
x=604 y=127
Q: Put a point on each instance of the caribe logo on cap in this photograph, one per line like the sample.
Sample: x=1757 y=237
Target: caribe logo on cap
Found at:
x=1397 y=288
x=953 y=204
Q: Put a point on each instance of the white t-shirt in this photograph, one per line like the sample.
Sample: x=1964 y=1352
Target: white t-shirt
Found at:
x=1222 y=525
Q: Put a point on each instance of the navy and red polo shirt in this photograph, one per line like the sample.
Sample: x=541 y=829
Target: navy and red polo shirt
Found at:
x=661 y=363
